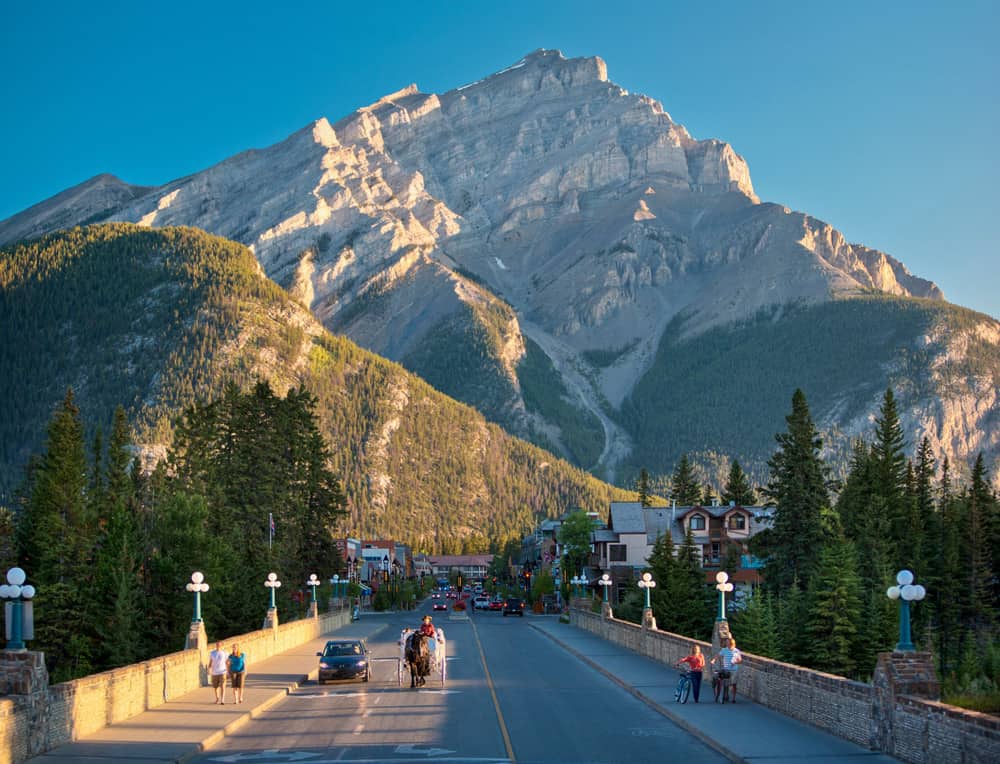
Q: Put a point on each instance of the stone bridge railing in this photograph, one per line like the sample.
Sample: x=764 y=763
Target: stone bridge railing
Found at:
x=887 y=715
x=36 y=717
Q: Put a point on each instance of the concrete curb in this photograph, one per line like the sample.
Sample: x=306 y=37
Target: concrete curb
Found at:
x=258 y=710
x=685 y=725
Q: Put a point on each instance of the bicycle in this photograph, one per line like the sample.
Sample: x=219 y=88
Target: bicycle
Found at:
x=720 y=682
x=683 y=690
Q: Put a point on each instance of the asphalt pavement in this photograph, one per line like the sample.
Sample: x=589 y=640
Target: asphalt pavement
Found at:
x=193 y=724
x=742 y=732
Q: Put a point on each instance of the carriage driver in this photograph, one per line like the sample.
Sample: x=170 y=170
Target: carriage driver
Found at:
x=427 y=628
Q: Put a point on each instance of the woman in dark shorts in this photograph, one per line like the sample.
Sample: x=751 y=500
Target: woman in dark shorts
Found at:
x=237 y=665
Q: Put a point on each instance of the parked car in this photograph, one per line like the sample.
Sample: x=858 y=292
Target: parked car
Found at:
x=481 y=602
x=513 y=606
x=344 y=659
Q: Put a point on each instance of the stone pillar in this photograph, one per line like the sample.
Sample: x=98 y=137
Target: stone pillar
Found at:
x=196 y=638
x=720 y=632
x=906 y=673
x=313 y=610
x=606 y=611
x=271 y=619
x=24 y=678
x=648 y=621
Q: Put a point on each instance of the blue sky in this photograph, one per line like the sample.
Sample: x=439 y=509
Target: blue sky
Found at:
x=878 y=118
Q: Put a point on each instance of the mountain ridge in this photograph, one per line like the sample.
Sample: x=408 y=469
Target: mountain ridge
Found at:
x=544 y=193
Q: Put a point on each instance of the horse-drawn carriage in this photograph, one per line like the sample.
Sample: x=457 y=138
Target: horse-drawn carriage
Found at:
x=422 y=656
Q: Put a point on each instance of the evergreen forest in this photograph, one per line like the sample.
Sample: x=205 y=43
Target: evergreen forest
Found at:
x=834 y=548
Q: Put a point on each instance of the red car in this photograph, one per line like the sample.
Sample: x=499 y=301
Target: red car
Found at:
x=440 y=605
x=496 y=604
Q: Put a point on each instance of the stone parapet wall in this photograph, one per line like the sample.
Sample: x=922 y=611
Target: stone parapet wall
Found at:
x=909 y=728
x=37 y=718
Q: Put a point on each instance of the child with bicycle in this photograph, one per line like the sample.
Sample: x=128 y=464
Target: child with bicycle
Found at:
x=729 y=659
x=695 y=662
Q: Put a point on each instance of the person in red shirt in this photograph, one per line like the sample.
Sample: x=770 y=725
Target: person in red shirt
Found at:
x=427 y=628
x=696 y=664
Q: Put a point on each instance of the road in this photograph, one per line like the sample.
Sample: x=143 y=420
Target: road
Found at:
x=511 y=695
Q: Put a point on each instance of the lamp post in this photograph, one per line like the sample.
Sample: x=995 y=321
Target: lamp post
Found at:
x=19 y=593
x=604 y=582
x=312 y=583
x=647 y=583
x=584 y=583
x=197 y=586
x=334 y=588
x=906 y=592
x=723 y=585
x=272 y=583
x=575 y=580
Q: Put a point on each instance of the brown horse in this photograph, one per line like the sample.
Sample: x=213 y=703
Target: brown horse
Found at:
x=418 y=659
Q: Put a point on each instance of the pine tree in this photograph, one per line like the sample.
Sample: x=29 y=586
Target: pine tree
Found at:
x=889 y=472
x=692 y=598
x=798 y=489
x=664 y=570
x=55 y=542
x=738 y=489
x=685 y=490
x=791 y=617
x=642 y=487
x=756 y=626
x=978 y=564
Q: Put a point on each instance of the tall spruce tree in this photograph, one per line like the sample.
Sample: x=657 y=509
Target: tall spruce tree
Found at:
x=684 y=487
x=888 y=462
x=757 y=627
x=55 y=542
x=738 y=489
x=834 y=609
x=642 y=487
x=798 y=489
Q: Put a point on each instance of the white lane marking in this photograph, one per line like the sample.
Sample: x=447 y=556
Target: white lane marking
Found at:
x=410 y=748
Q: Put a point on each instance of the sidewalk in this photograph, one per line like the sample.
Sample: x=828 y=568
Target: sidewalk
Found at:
x=744 y=732
x=192 y=723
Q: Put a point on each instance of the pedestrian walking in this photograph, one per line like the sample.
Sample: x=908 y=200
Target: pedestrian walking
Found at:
x=237 y=664
x=696 y=665
x=217 y=670
x=729 y=658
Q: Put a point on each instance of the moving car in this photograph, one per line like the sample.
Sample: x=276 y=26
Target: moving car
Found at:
x=513 y=606
x=496 y=604
x=439 y=604
x=481 y=602
x=344 y=659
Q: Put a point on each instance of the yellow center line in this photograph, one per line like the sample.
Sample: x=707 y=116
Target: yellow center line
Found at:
x=493 y=694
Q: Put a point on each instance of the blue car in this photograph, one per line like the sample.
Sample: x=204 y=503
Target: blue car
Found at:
x=344 y=659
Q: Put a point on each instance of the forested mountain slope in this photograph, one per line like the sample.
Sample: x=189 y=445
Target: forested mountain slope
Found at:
x=155 y=319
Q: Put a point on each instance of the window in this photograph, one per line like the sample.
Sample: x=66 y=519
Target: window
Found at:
x=738 y=522
x=697 y=522
x=617 y=552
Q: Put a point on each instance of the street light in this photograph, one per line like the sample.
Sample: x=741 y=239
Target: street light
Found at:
x=197 y=586
x=604 y=582
x=335 y=583
x=313 y=582
x=272 y=583
x=723 y=586
x=647 y=583
x=584 y=583
x=18 y=592
x=575 y=581
x=905 y=592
